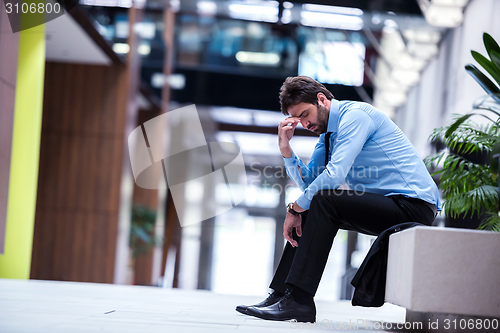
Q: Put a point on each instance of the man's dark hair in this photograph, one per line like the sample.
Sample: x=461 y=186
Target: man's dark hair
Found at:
x=301 y=89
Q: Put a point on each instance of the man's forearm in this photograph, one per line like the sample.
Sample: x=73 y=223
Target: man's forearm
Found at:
x=286 y=151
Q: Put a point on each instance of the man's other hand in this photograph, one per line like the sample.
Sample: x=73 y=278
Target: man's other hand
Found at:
x=292 y=221
x=285 y=134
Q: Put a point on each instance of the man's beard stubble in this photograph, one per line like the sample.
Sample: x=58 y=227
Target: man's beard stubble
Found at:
x=323 y=114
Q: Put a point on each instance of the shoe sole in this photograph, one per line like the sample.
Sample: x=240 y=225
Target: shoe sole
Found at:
x=298 y=319
x=244 y=310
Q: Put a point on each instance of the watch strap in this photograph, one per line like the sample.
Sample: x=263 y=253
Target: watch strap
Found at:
x=292 y=211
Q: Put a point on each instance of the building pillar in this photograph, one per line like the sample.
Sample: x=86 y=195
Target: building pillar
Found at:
x=15 y=261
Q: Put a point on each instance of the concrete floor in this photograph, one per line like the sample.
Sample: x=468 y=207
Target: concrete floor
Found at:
x=55 y=307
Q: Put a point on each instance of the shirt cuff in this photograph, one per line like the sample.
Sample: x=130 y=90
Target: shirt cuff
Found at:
x=291 y=161
x=303 y=202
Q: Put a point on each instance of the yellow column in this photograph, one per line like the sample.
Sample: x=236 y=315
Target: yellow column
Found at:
x=16 y=261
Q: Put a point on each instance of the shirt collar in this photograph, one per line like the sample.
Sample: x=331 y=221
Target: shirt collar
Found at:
x=333 y=119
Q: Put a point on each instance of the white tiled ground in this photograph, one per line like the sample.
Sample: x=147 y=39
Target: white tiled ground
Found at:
x=68 y=307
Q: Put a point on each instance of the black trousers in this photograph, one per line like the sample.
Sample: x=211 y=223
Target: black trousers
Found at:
x=331 y=210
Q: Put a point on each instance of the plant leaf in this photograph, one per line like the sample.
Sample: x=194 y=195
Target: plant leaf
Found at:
x=492 y=223
x=490 y=44
x=495 y=58
x=487 y=65
x=453 y=127
x=484 y=82
x=489 y=108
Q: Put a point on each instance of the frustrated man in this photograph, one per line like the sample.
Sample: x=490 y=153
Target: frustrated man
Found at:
x=360 y=145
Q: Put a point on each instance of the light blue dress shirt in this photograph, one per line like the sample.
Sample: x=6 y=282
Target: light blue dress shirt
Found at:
x=369 y=152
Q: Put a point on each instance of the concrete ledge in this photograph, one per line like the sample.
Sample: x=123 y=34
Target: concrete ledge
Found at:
x=445 y=270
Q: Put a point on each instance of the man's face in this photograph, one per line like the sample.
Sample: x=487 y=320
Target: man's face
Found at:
x=313 y=118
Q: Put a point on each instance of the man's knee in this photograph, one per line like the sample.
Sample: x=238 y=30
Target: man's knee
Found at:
x=318 y=197
x=323 y=196
x=325 y=201
x=332 y=197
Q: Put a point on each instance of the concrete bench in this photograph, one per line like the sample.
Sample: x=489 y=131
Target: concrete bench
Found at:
x=445 y=276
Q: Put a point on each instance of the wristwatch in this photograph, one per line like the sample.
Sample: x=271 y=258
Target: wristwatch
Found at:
x=289 y=209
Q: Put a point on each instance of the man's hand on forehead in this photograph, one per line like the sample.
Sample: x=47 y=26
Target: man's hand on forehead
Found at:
x=292 y=121
x=285 y=133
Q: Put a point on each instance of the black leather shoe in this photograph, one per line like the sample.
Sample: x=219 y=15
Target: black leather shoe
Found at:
x=270 y=300
x=286 y=309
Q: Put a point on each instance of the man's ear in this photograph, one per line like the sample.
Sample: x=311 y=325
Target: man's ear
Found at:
x=322 y=99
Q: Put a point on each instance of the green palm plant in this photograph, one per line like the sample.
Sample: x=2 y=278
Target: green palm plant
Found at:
x=469 y=187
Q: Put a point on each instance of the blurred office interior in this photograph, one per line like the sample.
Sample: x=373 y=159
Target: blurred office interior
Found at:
x=69 y=207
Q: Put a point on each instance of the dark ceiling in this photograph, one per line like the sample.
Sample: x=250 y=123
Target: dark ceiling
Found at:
x=243 y=91
x=252 y=89
x=211 y=87
x=409 y=7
